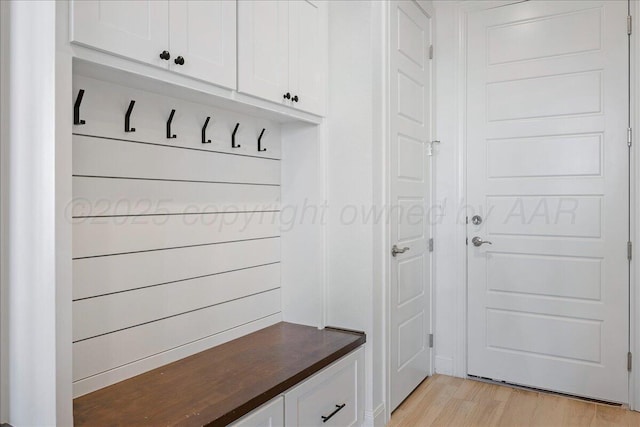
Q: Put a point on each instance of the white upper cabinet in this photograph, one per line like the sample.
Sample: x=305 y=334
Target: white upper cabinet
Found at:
x=308 y=54
x=282 y=52
x=263 y=40
x=203 y=33
x=135 y=29
x=196 y=38
x=270 y=49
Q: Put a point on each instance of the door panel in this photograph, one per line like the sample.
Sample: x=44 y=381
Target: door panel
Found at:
x=136 y=29
x=547 y=170
x=263 y=48
x=204 y=33
x=410 y=77
x=307 y=54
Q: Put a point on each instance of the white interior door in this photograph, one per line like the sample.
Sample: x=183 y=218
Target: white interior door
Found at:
x=410 y=129
x=204 y=34
x=547 y=171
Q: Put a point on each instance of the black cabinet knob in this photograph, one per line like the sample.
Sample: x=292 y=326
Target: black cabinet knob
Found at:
x=165 y=55
x=179 y=60
x=287 y=95
x=295 y=98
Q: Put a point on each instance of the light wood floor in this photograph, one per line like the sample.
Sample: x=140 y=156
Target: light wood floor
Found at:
x=449 y=401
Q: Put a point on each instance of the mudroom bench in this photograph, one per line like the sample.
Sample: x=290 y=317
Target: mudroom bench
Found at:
x=244 y=382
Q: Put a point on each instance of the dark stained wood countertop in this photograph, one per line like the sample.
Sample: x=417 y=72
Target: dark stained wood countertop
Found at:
x=217 y=386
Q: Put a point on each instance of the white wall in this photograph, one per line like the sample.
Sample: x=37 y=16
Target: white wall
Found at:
x=302 y=216
x=449 y=262
x=354 y=182
x=29 y=312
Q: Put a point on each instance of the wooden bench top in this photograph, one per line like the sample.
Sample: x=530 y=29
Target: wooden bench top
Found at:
x=217 y=386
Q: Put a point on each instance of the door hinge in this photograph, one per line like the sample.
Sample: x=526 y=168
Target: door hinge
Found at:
x=629 y=20
x=629 y=361
x=430 y=51
x=466 y=241
x=629 y=137
x=629 y=251
x=430 y=340
x=431 y=245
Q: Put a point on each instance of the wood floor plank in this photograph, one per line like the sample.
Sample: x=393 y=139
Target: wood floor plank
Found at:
x=550 y=410
x=519 y=409
x=429 y=406
x=486 y=413
x=454 y=413
x=447 y=401
x=611 y=416
x=578 y=413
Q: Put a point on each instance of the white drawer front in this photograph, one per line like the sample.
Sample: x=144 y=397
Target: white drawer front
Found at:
x=271 y=414
x=337 y=389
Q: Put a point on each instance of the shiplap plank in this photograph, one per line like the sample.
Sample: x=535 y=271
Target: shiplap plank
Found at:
x=110 y=351
x=101 y=315
x=129 y=370
x=109 y=157
x=116 y=273
x=105 y=196
x=104 y=106
x=113 y=235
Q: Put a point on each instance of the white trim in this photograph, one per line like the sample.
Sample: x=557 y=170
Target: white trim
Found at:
x=380 y=198
x=4 y=85
x=386 y=12
x=634 y=378
x=323 y=191
x=460 y=359
x=375 y=418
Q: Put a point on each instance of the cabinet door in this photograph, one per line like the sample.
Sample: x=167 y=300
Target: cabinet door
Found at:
x=271 y=414
x=308 y=54
x=204 y=34
x=263 y=49
x=136 y=29
x=331 y=398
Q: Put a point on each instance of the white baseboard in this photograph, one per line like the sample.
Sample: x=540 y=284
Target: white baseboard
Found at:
x=375 y=418
x=444 y=365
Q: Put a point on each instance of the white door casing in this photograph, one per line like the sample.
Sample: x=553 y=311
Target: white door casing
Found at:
x=547 y=170
x=410 y=130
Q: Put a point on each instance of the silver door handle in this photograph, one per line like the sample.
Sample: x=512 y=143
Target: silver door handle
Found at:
x=395 y=250
x=477 y=241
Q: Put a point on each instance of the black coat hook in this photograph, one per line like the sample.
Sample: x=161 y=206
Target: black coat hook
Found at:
x=169 y=134
x=127 y=118
x=204 y=132
x=76 y=109
x=233 y=137
x=260 y=141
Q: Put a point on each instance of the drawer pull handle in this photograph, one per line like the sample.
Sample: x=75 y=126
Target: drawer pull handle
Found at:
x=338 y=408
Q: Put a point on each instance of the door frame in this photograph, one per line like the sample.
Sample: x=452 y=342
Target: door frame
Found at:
x=458 y=17
x=385 y=242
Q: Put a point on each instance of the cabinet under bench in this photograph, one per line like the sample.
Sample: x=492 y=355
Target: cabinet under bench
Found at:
x=285 y=374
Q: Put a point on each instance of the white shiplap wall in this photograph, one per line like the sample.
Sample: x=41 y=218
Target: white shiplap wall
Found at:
x=176 y=243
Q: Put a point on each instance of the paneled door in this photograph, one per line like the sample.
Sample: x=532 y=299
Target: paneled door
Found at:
x=547 y=177
x=410 y=131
